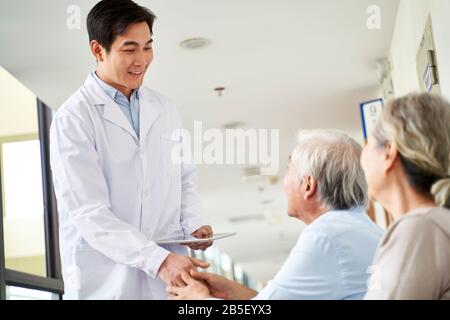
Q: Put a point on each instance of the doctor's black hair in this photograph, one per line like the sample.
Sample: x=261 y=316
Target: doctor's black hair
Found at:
x=110 y=18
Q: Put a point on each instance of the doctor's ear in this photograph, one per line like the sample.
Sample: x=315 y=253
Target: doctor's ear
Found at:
x=97 y=50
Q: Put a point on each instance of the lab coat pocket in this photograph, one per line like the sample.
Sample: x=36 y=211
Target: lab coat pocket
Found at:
x=171 y=150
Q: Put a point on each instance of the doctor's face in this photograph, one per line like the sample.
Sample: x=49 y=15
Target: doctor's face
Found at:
x=124 y=66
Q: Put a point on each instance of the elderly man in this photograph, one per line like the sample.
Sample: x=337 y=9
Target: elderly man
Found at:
x=326 y=189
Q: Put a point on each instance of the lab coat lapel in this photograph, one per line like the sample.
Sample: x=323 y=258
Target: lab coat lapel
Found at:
x=149 y=111
x=109 y=109
x=113 y=114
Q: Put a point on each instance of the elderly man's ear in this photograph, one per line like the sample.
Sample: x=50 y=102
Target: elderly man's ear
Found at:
x=309 y=187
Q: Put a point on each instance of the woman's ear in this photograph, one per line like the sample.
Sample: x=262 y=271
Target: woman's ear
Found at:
x=97 y=50
x=391 y=156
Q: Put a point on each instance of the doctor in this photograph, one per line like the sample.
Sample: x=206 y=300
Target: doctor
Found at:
x=117 y=189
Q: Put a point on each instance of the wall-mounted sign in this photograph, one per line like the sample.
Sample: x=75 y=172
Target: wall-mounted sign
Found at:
x=427 y=66
x=427 y=79
x=370 y=112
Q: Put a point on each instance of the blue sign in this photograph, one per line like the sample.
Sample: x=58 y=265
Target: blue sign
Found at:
x=370 y=112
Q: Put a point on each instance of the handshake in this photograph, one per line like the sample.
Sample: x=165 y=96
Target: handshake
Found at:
x=184 y=282
x=171 y=268
x=204 y=285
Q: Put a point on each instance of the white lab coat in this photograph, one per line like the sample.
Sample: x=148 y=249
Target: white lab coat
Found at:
x=117 y=194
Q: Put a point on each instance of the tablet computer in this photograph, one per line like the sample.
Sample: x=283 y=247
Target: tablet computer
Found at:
x=192 y=240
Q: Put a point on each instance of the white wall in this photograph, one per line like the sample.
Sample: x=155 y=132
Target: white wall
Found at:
x=18 y=112
x=409 y=27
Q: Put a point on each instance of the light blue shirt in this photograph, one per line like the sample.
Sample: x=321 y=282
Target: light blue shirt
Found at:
x=330 y=260
x=130 y=108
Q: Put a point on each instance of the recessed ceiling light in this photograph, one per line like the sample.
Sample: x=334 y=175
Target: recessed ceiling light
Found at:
x=194 y=43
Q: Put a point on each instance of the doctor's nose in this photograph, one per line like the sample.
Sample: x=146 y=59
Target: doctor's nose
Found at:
x=140 y=59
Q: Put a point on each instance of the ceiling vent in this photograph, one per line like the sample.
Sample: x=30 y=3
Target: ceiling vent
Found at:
x=233 y=125
x=247 y=218
x=252 y=171
x=252 y=174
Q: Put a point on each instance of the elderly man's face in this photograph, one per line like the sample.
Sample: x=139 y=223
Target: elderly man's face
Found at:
x=292 y=190
x=301 y=195
x=373 y=161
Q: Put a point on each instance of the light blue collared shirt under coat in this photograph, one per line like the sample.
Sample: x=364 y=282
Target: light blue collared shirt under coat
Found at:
x=330 y=260
x=130 y=108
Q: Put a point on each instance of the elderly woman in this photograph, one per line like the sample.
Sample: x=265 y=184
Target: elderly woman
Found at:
x=407 y=167
x=326 y=189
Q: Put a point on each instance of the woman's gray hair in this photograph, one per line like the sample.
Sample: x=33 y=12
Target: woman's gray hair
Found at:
x=419 y=124
x=332 y=158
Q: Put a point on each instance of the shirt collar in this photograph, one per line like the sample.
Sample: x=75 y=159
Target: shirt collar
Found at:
x=355 y=210
x=111 y=91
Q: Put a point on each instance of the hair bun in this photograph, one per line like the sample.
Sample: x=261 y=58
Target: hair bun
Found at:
x=441 y=192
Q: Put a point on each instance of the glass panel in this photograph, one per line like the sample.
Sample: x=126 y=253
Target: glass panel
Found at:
x=222 y=264
x=17 y=293
x=238 y=273
x=226 y=266
x=21 y=178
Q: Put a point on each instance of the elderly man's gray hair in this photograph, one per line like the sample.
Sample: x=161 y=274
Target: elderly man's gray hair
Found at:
x=332 y=158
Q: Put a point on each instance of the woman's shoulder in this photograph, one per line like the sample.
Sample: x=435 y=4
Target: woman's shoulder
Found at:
x=420 y=222
x=440 y=218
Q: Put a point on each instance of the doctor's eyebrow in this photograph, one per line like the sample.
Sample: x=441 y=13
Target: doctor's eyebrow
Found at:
x=134 y=43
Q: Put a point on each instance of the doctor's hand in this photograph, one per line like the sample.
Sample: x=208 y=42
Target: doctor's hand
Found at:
x=223 y=288
x=203 y=232
x=172 y=267
x=193 y=290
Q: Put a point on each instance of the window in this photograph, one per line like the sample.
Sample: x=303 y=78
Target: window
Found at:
x=222 y=264
x=18 y=293
x=30 y=267
x=23 y=208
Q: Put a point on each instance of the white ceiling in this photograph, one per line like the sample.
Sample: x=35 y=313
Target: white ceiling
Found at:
x=286 y=64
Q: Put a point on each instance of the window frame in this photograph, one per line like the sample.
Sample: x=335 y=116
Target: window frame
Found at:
x=53 y=282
